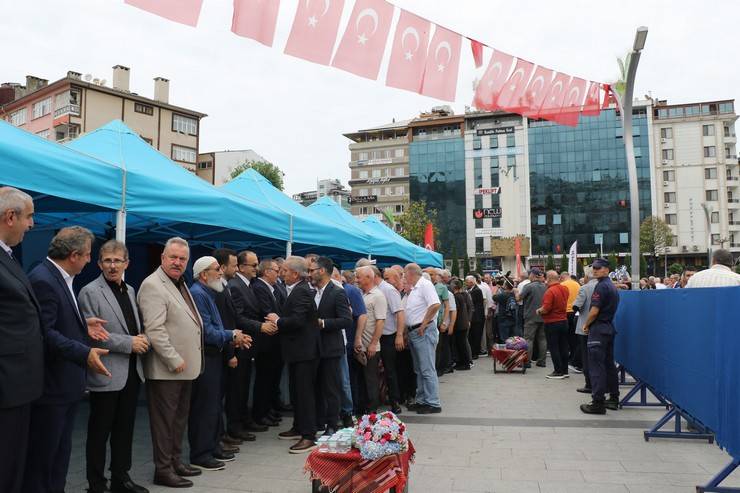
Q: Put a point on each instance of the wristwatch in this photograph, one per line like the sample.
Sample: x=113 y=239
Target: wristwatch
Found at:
x=321 y=323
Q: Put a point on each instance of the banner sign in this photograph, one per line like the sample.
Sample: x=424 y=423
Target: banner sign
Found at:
x=487 y=213
x=494 y=131
x=573 y=258
x=486 y=232
x=362 y=199
x=487 y=191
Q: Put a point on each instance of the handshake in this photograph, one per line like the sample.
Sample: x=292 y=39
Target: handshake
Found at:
x=242 y=340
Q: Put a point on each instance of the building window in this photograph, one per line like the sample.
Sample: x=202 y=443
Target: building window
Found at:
x=399 y=190
x=478 y=245
x=541 y=219
x=18 y=118
x=667 y=154
x=715 y=239
x=624 y=238
x=670 y=219
x=712 y=195
x=44 y=134
x=710 y=173
x=510 y=141
x=398 y=152
x=710 y=151
x=42 y=108
x=669 y=175
x=476 y=143
x=376 y=191
x=399 y=171
x=707 y=130
x=726 y=108
x=493 y=142
x=669 y=197
x=666 y=133
x=729 y=130
x=363 y=174
x=205 y=165
x=715 y=217
x=363 y=191
x=376 y=173
x=728 y=152
x=184 y=154
x=363 y=156
x=557 y=219
x=399 y=208
x=144 y=108
x=184 y=124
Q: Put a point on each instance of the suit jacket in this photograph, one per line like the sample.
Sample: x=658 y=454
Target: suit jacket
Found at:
x=226 y=309
x=298 y=325
x=479 y=305
x=21 y=344
x=266 y=303
x=97 y=300
x=246 y=308
x=176 y=334
x=334 y=310
x=65 y=337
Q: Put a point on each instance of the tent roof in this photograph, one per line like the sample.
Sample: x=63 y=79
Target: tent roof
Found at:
x=421 y=256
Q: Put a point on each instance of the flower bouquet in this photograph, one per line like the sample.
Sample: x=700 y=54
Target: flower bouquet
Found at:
x=377 y=435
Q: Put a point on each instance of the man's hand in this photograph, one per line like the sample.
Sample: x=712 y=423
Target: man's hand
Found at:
x=372 y=350
x=233 y=362
x=242 y=340
x=139 y=344
x=268 y=328
x=539 y=311
x=422 y=328
x=400 y=345
x=272 y=317
x=585 y=329
x=95 y=363
x=358 y=346
x=96 y=329
x=180 y=368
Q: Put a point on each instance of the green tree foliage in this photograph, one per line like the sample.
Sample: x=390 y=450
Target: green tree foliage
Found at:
x=675 y=268
x=466 y=265
x=613 y=261
x=643 y=266
x=655 y=236
x=550 y=262
x=455 y=270
x=621 y=83
x=563 y=263
x=414 y=221
x=271 y=172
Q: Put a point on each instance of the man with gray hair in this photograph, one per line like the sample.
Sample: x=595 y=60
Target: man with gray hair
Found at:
x=719 y=275
x=367 y=338
x=22 y=369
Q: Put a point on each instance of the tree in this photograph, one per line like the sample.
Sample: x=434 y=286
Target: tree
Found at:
x=621 y=84
x=550 y=262
x=563 y=263
x=643 y=265
x=455 y=270
x=675 y=268
x=466 y=265
x=613 y=261
x=628 y=263
x=414 y=221
x=272 y=173
x=655 y=236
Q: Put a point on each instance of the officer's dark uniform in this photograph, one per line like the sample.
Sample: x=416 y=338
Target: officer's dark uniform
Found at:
x=602 y=371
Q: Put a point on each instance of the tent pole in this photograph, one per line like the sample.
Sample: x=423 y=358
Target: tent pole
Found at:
x=289 y=243
x=121 y=226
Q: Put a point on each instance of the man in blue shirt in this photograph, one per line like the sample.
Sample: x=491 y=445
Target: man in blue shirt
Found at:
x=207 y=395
x=350 y=376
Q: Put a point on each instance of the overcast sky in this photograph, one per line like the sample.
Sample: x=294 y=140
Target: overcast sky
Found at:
x=294 y=112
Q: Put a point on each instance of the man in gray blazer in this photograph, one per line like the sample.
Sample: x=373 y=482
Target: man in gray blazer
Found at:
x=175 y=330
x=113 y=400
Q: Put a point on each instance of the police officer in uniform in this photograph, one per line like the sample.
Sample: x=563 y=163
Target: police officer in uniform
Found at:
x=600 y=331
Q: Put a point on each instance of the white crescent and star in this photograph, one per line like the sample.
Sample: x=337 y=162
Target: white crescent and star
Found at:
x=446 y=46
x=362 y=37
x=412 y=31
x=313 y=20
x=569 y=100
x=497 y=68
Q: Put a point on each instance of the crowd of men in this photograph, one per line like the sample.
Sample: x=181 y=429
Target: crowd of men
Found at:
x=213 y=354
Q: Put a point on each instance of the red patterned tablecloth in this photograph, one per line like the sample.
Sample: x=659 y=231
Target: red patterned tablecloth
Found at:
x=510 y=358
x=350 y=473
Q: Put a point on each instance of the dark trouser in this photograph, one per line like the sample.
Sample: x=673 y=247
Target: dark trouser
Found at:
x=238 y=381
x=443 y=355
x=574 y=348
x=583 y=342
x=462 y=347
x=49 y=447
x=557 y=343
x=506 y=328
x=534 y=333
x=474 y=337
x=206 y=407
x=14 y=422
x=388 y=355
x=112 y=414
x=519 y=321
x=406 y=375
x=169 y=408
x=268 y=367
x=328 y=383
x=302 y=376
x=601 y=367
x=369 y=385
x=355 y=375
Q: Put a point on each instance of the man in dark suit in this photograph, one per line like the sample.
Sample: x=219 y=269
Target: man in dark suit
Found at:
x=67 y=355
x=334 y=315
x=21 y=345
x=268 y=361
x=478 y=321
x=299 y=340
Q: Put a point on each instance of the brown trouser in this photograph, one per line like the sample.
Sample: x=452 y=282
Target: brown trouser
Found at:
x=169 y=407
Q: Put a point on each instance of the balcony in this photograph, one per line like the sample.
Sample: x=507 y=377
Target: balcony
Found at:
x=70 y=109
x=733 y=203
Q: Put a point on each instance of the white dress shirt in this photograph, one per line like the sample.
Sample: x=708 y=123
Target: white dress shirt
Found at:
x=67 y=279
x=243 y=278
x=6 y=248
x=717 y=276
x=393 y=299
x=487 y=295
x=422 y=296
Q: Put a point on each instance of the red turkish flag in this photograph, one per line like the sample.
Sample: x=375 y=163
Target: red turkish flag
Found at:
x=555 y=97
x=608 y=97
x=361 y=49
x=255 y=19
x=511 y=97
x=572 y=103
x=429 y=237
x=536 y=91
x=493 y=80
x=477 y=48
x=593 y=100
x=314 y=30
x=182 y=11
x=409 y=52
x=442 y=65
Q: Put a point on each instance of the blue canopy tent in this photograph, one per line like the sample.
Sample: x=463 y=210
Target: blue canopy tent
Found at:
x=421 y=256
x=309 y=231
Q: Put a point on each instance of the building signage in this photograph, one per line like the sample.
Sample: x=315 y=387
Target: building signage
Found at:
x=487 y=191
x=387 y=160
x=494 y=131
x=487 y=213
x=497 y=152
x=362 y=199
x=486 y=232
x=373 y=181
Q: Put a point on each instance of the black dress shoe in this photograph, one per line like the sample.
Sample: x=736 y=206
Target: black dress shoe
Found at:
x=284 y=408
x=224 y=456
x=210 y=465
x=255 y=428
x=267 y=422
x=172 y=481
x=229 y=449
x=231 y=439
x=243 y=436
x=274 y=415
x=596 y=407
x=347 y=421
x=126 y=486
x=187 y=471
x=396 y=409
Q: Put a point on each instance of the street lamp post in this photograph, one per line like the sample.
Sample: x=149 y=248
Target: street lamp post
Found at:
x=707 y=217
x=625 y=110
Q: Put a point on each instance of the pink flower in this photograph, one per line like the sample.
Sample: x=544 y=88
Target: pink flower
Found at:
x=367 y=436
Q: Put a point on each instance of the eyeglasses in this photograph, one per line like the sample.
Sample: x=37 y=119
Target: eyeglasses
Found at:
x=314 y=270
x=116 y=261
x=248 y=265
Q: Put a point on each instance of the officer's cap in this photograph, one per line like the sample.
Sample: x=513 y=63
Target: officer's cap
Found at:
x=599 y=263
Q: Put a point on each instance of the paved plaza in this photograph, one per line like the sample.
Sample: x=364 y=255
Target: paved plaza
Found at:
x=497 y=433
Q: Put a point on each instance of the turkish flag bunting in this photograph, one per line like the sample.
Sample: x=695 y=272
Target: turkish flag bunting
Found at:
x=536 y=91
x=477 y=48
x=182 y=11
x=573 y=103
x=314 y=30
x=442 y=64
x=608 y=98
x=409 y=52
x=255 y=19
x=511 y=97
x=361 y=49
x=555 y=96
x=429 y=237
x=489 y=87
x=591 y=107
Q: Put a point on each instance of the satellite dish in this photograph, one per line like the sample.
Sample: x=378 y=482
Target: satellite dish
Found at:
x=88 y=77
x=102 y=82
x=96 y=81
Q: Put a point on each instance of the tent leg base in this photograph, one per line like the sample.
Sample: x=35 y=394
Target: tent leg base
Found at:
x=713 y=485
x=678 y=432
x=643 y=389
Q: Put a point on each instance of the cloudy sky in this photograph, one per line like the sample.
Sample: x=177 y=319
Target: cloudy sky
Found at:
x=294 y=112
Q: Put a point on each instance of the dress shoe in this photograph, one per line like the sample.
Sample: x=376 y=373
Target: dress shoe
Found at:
x=187 y=471
x=255 y=428
x=596 y=407
x=291 y=434
x=210 y=465
x=429 y=410
x=612 y=403
x=287 y=408
x=274 y=415
x=462 y=367
x=584 y=390
x=329 y=431
x=267 y=422
x=172 y=481
x=396 y=409
x=224 y=456
x=229 y=449
x=243 y=436
x=231 y=439
x=541 y=364
x=347 y=421
x=304 y=445
x=125 y=485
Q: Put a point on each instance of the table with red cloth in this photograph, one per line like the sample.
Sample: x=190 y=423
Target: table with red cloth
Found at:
x=350 y=473
x=509 y=359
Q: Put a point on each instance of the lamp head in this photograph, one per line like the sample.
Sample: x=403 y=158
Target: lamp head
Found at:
x=640 y=37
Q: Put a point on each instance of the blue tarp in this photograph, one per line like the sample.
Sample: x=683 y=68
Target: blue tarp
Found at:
x=420 y=255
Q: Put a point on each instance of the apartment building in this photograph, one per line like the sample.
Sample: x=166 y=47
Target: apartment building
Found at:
x=331 y=188
x=216 y=167
x=77 y=104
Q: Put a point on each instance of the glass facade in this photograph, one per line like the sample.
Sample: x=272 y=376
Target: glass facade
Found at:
x=437 y=175
x=579 y=186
